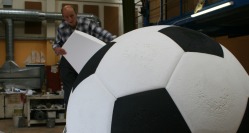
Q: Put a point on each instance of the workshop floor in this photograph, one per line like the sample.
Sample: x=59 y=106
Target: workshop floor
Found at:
x=7 y=126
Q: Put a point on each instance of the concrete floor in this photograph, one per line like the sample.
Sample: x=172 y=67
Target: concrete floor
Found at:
x=7 y=126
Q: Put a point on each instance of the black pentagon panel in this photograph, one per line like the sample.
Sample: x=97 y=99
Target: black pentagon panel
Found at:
x=244 y=125
x=193 y=41
x=152 y=111
x=91 y=66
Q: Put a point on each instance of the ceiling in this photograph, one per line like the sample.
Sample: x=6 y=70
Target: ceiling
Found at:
x=232 y=21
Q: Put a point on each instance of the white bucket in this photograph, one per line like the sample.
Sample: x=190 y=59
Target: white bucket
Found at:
x=19 y=121
x=61 y=115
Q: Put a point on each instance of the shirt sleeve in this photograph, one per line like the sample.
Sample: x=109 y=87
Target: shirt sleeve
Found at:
x=58 y=40
x=100 y=33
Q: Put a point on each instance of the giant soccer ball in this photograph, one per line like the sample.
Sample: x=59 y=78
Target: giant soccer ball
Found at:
x=160 y=79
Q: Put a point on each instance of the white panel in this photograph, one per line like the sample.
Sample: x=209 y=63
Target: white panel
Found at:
x=50 y=6
x=80 y=47
x=140 y=60
x=7 y=2
x=208 y=92
x=90 y=108
x=50 y=30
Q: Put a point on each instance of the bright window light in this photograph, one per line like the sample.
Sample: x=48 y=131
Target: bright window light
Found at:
x=212 y=9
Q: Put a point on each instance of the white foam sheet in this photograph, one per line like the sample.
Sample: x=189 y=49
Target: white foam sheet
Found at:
x=90 y=108
x=80 y=47
x=208 y=92
x=139 y=64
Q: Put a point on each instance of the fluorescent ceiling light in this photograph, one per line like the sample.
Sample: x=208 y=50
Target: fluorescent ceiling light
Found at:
x=212 y=9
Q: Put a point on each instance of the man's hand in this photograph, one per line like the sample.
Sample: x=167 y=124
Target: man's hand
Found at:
x=60 y=51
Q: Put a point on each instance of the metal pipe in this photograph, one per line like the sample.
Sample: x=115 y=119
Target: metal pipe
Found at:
x=21 y=14
x=161 y=11
x=34 y=15
x=9 y=33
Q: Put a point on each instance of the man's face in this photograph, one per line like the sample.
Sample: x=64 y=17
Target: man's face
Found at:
x=70 y=16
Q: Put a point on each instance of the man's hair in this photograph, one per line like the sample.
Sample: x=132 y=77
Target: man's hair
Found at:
x=68 y=6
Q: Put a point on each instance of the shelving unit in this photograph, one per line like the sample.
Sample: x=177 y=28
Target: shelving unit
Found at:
x=8 y=103
x=45 y=104
x=229 y=21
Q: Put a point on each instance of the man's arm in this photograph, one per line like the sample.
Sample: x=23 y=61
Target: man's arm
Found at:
x=101 y=33
x=57 y=45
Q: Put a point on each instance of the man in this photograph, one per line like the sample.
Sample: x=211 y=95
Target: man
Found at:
x=66 y=28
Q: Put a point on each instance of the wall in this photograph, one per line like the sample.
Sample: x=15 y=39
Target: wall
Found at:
x=171 y=8
x=24 y=43
x=239 y=47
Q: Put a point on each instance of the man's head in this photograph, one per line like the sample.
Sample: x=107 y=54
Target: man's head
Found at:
x=69 y=15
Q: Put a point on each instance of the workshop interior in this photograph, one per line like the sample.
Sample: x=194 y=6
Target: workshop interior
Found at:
x=31 y=90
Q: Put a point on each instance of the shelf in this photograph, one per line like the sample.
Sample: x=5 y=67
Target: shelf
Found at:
x=36 y=100
x=45 y=121
x=47 y=96
x=48 y=109
x=230 y=21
